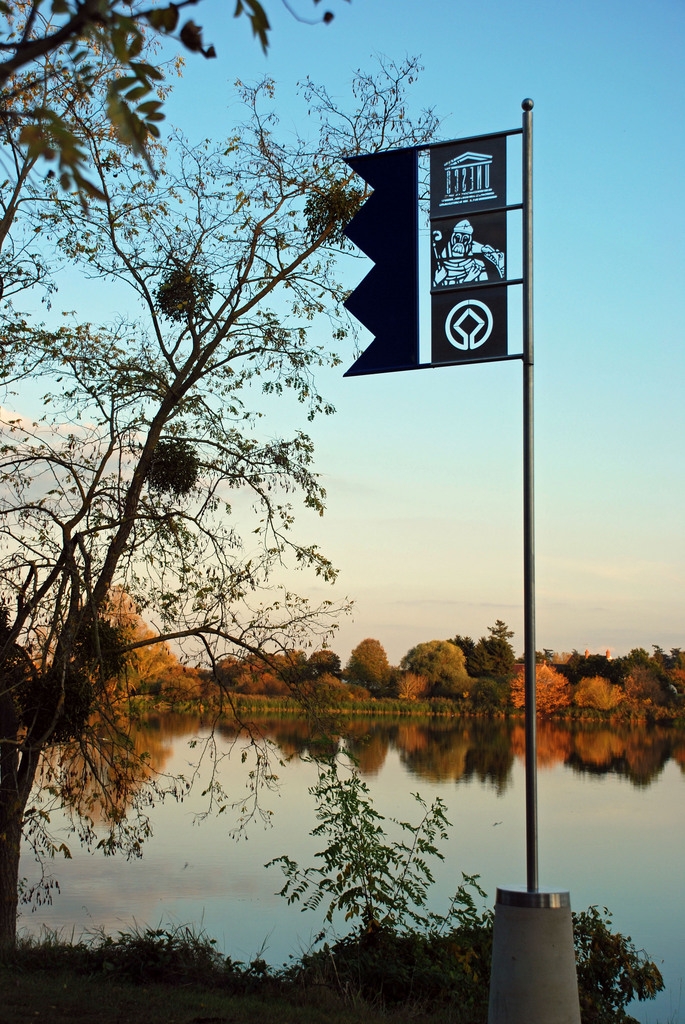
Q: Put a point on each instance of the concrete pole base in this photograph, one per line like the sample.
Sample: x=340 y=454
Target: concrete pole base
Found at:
x=533 y=976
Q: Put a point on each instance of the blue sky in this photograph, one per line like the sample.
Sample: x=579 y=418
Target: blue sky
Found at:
x=423 y=469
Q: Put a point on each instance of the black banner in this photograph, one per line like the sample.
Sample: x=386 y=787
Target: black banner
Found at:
x=468 y=260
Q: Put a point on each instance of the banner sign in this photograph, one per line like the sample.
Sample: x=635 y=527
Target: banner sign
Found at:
x=468 y=254
x=468 y=247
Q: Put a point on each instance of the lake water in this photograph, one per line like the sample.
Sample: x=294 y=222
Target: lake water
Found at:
x=611 y=816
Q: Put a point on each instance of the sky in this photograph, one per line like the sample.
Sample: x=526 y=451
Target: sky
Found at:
x=423 y=469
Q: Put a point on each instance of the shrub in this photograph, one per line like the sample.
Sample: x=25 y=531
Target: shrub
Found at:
x=597 y=692
x=374 y=883
x=389 y=968
x=411 y=686
x=488 y=695
x=611 y=972
x=171 y=956
x=642 y=687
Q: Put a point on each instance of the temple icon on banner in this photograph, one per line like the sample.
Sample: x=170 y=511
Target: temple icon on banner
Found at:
x=467 y=179
x=468 y=325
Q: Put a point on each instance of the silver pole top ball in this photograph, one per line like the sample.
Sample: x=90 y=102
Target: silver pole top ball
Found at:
x=527 y=104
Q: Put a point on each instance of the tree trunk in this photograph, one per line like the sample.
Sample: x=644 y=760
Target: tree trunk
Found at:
x=17 y=773
x=10 y=848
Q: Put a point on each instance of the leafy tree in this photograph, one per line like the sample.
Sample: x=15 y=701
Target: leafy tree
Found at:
x=553 y=690
x=492 y=656
x=368 y=666
x=676 y=658
x=638 y=656
x=150 y=432
x=488 y=695
x=324 y=662
x=68 y=39
x=466 y=644
x=647 y=676
x=442 y=665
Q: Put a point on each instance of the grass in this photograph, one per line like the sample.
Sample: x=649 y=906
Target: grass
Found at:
x=161 y=976
x=64 y=997
x=371 y=976
x=67 y=997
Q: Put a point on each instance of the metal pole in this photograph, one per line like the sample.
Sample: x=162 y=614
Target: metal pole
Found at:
x=528 y=506
x=533 y=974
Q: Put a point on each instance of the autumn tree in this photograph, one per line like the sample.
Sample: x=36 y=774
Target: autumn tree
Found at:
x=596 y=692
x=253 y=674
x=154 y=668
x=442 y=664
x=644 y=687
x=283 y=674
x=154 y=464
x=411 y=686
x=324 y=662
x=368 y=666
x=553 y=690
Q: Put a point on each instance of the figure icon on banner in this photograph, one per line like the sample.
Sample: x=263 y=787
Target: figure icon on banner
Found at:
x=463 y=260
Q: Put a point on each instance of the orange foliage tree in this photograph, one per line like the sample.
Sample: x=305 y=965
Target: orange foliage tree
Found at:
x=553 y=690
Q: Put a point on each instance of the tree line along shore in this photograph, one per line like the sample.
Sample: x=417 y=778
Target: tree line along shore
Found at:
x=459 y=675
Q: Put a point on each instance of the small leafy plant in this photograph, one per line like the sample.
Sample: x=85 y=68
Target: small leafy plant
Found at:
x=397 y=951
x=374 y=883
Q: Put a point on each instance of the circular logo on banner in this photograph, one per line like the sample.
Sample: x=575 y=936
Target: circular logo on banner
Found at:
x=468 y=324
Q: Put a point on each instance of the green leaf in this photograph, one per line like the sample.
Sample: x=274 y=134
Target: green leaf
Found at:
x=145 y=71
x=258 y=20
x=163 y=19
x=137 y=94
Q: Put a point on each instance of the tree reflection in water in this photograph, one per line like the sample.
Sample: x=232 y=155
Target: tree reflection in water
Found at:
x=450 y=749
